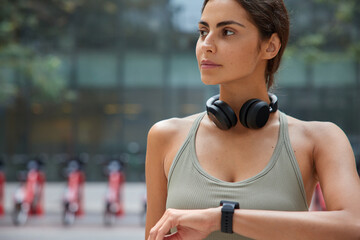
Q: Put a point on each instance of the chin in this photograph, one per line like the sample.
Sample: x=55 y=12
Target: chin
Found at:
x=210 y=80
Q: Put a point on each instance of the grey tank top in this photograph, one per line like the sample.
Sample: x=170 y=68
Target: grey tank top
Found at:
x=278 y=186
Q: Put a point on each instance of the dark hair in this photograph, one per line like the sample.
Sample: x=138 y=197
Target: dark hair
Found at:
x=269 y=16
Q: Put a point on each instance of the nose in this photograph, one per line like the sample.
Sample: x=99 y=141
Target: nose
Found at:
x=208 y=44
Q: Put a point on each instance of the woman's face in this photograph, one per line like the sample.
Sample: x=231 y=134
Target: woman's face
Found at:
x=228 y=46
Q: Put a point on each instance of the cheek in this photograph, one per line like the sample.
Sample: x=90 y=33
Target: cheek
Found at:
x=197 y=50
x=240 y=57
x=236 y=59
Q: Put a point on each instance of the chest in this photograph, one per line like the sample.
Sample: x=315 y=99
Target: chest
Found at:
x=191 y=187
x=235 y=160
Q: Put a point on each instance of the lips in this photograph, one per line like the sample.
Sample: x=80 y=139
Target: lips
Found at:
x=206 y=64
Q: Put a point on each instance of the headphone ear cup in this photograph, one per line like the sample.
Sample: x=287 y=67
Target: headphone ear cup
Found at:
x=254 y=114
x=228 y=112
x=244 y=112
x=218 y=117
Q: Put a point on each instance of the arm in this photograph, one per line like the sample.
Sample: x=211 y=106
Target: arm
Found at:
x=335 y=168
x=164 y=140
x=156 y=182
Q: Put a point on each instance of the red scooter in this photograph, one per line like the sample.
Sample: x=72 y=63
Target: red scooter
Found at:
x=114 y=206
x=2 y=186
x=318 y=202
x=74 y=192
x=29 y=197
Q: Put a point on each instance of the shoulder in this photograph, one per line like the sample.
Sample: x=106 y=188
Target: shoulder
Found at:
x=171 y=127
x=322 y=136
x=165 y=139
x=168 y=133
x=317 y=130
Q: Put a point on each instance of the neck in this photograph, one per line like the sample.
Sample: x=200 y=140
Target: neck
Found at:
x=236 y=96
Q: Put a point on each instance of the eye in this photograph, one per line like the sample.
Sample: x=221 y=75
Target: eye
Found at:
x=228 y=32
x=203 y=33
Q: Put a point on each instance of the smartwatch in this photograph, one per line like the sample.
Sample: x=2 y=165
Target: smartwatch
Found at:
x=227 y=213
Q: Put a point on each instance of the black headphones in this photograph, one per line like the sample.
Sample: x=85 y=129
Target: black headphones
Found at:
x=253 y=114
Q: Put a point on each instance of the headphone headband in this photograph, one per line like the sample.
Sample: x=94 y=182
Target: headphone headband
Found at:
x=253 y=114
x=211 y=100
x=273 y=106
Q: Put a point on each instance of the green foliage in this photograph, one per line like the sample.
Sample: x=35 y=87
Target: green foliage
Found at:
x=25 y=26
x=332 y=26
x=346 y=11
x=354 y=50
x=21 y=70
x=48 y=84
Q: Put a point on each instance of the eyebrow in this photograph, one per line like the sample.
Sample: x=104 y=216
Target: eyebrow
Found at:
x=224 y=23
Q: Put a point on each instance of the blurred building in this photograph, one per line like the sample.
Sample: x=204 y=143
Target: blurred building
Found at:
x=94 y=76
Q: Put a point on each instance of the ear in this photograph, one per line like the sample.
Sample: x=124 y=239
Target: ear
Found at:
x=272 y=46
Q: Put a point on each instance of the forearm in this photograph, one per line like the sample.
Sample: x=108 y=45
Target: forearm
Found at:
x=259 y=224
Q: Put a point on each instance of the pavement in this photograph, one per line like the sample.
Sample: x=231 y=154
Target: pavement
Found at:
x=88 y=227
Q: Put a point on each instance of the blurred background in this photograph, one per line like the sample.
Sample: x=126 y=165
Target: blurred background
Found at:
x=88 y=76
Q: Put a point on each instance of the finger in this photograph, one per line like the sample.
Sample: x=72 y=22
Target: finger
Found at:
x=174 y=236
x=165 y=229
x=155 y=232
x=165 y=224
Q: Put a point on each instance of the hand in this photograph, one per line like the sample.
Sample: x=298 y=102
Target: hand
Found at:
x=191 y=224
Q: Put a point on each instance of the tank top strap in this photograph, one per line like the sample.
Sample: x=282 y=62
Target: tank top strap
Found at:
x=283 y=127
x=190 y=136
x=196 y=125
x=291 y=154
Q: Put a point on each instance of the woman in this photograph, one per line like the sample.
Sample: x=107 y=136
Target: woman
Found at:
x=270 y=171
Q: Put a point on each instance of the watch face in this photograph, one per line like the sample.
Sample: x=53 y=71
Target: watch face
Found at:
x=227 y=208
x=235 y=205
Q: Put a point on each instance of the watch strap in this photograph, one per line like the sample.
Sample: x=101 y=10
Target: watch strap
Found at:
x=227 y=213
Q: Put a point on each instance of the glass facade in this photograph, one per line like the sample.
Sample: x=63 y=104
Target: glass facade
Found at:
x=94 y=76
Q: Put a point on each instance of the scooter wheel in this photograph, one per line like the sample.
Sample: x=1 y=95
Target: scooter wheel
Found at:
x=68 y=218
x=109 y=218
x=19 y=215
